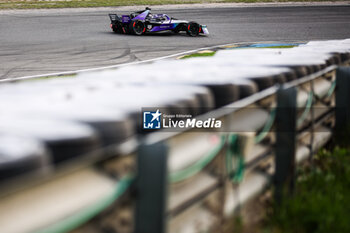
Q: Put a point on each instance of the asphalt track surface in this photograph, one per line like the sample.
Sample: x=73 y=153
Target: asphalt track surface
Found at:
x=39 y=42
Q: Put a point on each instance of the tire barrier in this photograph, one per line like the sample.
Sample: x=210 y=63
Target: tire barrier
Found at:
x=74 y=155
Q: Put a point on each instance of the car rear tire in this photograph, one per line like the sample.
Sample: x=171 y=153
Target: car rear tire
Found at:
x=193 y=29
x=137 y=27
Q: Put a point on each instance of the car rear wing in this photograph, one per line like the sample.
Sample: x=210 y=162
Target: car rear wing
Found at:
x=114 y=18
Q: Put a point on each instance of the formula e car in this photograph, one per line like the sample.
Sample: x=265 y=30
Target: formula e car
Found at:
x=142 y=22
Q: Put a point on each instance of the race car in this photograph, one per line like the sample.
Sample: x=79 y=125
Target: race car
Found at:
x=142 y=22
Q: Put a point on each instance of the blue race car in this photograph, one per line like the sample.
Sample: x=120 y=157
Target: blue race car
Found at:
x=142 y=22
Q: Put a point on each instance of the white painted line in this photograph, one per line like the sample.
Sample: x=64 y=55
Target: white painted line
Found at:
x=126 y=64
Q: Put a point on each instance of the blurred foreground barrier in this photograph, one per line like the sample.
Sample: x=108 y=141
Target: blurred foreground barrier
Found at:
x=285 y=149
x=85 y=163
x=151 y=188
x=342 y=100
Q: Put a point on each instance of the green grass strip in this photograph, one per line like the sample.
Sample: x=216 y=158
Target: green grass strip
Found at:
x=49 y=77
x=37 y=4
x=208 y=54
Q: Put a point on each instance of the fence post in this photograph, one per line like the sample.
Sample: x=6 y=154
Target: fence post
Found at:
x=342 y=101
x=151 y=188
x=285 y=148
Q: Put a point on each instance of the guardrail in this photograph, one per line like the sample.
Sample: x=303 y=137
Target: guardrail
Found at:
x=276 y=112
